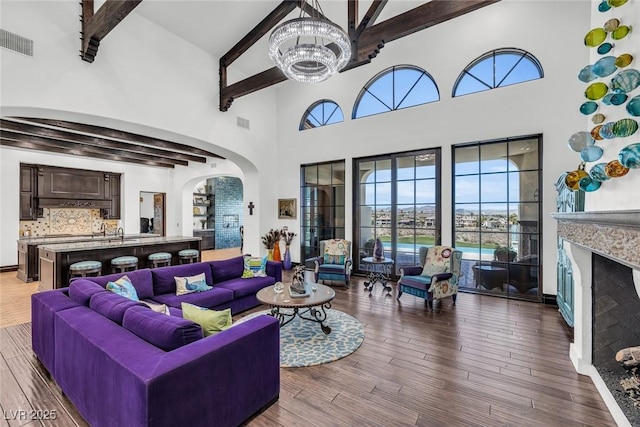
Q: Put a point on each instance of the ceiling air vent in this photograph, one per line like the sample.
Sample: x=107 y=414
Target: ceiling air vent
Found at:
x=16 y=43
x=243 y=123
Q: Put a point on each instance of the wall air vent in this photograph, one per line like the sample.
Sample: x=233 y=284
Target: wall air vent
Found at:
x=243 y=123
x=16 y=43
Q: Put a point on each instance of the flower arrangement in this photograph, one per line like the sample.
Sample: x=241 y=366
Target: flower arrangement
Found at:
x=287 y=236
x=270 y=239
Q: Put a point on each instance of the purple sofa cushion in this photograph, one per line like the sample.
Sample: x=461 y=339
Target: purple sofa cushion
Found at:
x=81 y=291
x=207 y=299
x=141 y=280
x=223 y=270
x=164 y=332
x=111 y=305
x=164 y=277
x=244 y=287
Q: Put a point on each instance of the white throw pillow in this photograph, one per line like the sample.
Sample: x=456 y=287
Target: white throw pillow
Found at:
x=187 y=285
x=430 y=270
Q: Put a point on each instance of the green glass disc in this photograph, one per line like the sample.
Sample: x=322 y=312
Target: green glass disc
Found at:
x=621 y=32
x=595 y=37
x=616 y=3
x=596 y=91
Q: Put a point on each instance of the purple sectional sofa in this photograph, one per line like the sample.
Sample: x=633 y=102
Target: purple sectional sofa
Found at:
x=122 y=363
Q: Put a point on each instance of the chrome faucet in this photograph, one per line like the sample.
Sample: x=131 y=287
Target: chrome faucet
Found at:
x=120 y=233
x=103 y=229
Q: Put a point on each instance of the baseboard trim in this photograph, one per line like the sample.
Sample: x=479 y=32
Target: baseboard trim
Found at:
x=8 y=268
x=549 y=299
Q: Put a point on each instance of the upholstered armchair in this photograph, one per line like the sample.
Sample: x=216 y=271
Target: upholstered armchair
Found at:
x=436 y=278
x=334 y=262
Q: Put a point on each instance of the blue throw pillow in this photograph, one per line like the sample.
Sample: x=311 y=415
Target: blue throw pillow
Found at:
x=124 y=287
x=334 y=259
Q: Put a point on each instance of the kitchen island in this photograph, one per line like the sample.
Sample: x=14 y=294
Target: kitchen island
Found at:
x=28 y=249
x=55 y=258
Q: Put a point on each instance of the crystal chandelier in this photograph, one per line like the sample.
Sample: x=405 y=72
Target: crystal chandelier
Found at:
x=309 y=49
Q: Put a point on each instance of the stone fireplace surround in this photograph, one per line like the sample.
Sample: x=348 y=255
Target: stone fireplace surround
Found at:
x=614 y=235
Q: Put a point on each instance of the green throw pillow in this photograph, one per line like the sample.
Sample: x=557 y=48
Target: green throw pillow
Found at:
x=211 y=321
x=430 y=270
x=124 y=287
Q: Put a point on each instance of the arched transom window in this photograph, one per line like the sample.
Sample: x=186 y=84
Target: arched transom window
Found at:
x=398 y=87
x=321 y=113
x=498 y=68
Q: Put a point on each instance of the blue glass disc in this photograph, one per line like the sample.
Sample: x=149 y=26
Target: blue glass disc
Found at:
x=591 y=154
x=607 y=98
x=588 y=107
x=605 y=66
x=588 y=184
x=625 y=81
x=580 y=140
x=586 y=74
x=604 y=6
x=633 y=107
x=598 y=173
x=605 y=48
x=629 y=156
x=606 y=130
x=618 y=98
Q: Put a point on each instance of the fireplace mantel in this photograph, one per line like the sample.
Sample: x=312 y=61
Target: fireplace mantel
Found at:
x=613 y=234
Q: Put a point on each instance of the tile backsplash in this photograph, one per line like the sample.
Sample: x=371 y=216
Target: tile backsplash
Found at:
x=68 y=221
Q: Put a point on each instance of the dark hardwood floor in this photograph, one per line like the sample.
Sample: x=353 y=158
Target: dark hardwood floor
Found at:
x=485 y=362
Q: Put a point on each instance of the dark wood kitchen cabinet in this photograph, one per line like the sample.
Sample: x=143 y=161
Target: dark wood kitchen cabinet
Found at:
x=208 y=238
x=112 y=192
x=55 y=182
x=28 y=208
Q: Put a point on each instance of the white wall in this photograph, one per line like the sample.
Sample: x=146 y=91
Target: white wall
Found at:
x=551 y=31
x=617 y=193
x=144 y=80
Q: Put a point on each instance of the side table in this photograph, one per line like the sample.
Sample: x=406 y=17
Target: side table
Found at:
x=378 y=271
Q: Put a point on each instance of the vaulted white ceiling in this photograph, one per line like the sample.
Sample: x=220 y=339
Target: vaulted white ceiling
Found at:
x=216 y=26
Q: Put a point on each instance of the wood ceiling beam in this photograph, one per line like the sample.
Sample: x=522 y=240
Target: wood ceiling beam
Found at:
x=270 y=21
x=373 y=38
x=95 y=26
x=368 y=38
x=371 y=16
x=62 y=148
x=88 y=148
x=249 y=85
x=156 y=146
x=96 y=141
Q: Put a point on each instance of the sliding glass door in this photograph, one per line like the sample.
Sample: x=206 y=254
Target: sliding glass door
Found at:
x=397 y=199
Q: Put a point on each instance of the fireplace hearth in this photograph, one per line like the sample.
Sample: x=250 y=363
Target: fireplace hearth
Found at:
x=616 y=325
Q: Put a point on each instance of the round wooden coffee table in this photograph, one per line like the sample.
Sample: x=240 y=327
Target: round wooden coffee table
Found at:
x=312 y=307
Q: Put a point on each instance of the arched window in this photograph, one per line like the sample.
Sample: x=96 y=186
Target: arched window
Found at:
x=321 y=113
x=395 y=88
x=498 y=68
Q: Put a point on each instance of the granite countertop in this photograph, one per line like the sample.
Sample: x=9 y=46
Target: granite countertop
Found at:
x=80 y=238
x=204 y=229
x=114 y=242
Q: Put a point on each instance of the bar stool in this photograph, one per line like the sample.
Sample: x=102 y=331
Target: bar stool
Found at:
x=160 y=259
x=123 y=262
x=84 y=268
x=188 y=256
